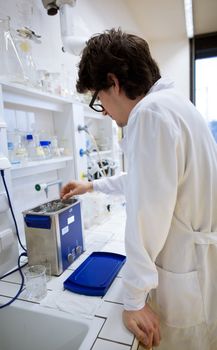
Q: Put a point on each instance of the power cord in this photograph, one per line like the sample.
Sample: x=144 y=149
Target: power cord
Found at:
x=22 y=281
x=11 y=208
x=19 y=268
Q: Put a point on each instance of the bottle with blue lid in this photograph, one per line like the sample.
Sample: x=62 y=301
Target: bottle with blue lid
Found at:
x=11 y=154
x=31 y=147
x=46 y=148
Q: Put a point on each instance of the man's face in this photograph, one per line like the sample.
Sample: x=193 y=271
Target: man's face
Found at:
x=112 y=105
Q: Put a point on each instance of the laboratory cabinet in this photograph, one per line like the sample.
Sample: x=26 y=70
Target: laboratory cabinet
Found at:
x=72 y=130
x=26 y=111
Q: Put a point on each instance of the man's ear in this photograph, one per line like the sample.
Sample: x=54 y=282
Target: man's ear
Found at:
x=113 y=80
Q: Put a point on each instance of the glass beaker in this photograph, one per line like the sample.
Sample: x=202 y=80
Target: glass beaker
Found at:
x=25 y=51
x=11 y=68
x=35 y=279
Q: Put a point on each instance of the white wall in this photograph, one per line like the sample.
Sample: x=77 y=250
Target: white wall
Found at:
x=93 y=16
x=172 y=57
x=90 y=17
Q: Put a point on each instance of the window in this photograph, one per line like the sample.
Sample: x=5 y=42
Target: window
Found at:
x=206 y=87
x=204 y=77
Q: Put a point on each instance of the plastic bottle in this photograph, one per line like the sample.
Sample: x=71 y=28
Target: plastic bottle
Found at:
x=55 y=151
x=64 y=147
x=31 y=147
x=39 y=152
x=11 y=154
x=46 y=148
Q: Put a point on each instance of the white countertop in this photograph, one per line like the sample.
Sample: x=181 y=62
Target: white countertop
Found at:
x=110 y=333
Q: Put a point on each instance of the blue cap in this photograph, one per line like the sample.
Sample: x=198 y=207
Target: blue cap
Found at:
x=44 y=143
x=29 y=137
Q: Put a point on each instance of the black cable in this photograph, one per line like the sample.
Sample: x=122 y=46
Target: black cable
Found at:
x=12 y=271
x=19 y=268
x=22 y=282
x=11 y=208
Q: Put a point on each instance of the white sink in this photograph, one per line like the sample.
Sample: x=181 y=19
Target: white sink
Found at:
x=26 y=326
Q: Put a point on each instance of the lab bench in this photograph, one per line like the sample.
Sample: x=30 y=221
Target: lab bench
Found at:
x=107 y=331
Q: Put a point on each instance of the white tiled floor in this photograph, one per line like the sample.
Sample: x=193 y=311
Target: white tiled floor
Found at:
x=115 y=292
x=114 y=247
x=94 y=247
x=9 y=289
x=14 y=278
x=96 y=236
x=101 y=344
x=106 y=237
x=113 y=328
x=57 y=283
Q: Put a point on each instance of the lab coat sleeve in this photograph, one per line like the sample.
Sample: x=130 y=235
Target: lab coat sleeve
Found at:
x=150 y=197
x=111 y=185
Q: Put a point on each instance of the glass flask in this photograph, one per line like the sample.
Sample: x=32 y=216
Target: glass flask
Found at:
x=11 y=68
x=29 y=67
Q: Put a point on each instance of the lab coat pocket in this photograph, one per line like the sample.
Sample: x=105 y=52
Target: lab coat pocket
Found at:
x=206 y=255
x=179 y=299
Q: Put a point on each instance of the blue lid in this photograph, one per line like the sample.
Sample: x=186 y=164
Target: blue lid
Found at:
x=44 y=143
x=95 y=275
x=10 y=146
x=29 y=137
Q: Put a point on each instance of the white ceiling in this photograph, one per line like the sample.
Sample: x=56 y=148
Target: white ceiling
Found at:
x=165 y=19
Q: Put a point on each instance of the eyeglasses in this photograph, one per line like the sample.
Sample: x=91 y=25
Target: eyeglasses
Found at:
x=96 y=106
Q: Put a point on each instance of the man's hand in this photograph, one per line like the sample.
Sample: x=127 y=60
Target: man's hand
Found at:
x=74 y=188
x=144 y=324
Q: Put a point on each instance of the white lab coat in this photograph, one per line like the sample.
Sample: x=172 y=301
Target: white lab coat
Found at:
x=171 y=227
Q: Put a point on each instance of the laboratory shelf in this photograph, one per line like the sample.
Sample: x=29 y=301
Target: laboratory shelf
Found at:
x=42 y=166
x=21 y=95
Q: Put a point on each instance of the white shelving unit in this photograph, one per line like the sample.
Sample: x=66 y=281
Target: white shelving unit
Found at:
x=19 y=95
x=41 y=167
x=50 y=112
x=61 y=117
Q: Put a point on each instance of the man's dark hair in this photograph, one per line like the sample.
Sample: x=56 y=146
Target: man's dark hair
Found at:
x=125 y=55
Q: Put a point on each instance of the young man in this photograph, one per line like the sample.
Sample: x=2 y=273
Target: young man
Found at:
x=171 y=195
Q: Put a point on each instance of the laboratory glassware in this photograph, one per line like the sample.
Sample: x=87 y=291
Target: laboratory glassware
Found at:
x=46 y=148
x=11 y=67
x=31 y=147
x=26 y=57
x=36 y=286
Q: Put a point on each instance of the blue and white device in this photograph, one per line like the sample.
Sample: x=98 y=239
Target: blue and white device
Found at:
x=54 y=234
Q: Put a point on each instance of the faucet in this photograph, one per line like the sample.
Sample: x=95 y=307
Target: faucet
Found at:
x=45 y=186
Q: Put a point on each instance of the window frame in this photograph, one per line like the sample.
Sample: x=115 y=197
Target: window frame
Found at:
x=201 y=46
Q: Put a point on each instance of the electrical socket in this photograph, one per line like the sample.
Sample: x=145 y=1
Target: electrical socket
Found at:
x=4 y=206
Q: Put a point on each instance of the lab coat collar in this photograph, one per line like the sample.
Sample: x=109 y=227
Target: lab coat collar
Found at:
x=161 y=84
